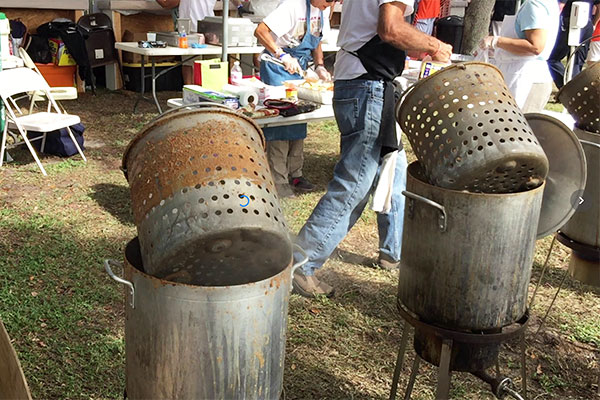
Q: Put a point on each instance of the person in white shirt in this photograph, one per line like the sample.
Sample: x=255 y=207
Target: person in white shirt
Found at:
x=373 y=39
x=521 y=50
x=292 y=33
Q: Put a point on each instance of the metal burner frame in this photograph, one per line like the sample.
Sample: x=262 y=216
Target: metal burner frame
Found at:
x=500 y=385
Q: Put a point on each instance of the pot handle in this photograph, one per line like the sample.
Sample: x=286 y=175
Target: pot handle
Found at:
x=301 y=262
x=107 y=264
x=442 y=219
x=590 y=143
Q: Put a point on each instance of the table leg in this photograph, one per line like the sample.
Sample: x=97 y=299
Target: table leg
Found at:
x=154 y=77
x=142 y=84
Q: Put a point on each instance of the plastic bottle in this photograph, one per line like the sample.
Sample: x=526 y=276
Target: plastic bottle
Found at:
x=236 y=73
x=183 y=41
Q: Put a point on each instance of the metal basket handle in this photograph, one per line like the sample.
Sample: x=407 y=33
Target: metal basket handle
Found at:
x=570 y=59
x=107 y=264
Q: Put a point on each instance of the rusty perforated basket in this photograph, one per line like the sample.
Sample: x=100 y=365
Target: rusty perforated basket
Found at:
x=468 y=133
x=203 y=200
x=581 y=97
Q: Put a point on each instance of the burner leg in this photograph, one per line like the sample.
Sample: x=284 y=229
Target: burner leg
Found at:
x=524 y=366
x=413 y=377
x=399 y=360
x=443 y=385
x=498 y=366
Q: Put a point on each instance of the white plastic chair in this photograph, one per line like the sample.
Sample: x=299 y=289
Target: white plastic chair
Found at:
x=24 y=80
x=59 y=93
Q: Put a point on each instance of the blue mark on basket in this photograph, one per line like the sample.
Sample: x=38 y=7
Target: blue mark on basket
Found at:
x=242 y=196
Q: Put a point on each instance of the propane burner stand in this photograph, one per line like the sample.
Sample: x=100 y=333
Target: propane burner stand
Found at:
x=483 y=348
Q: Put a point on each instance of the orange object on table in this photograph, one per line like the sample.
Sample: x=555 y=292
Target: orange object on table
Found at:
x=58 y=76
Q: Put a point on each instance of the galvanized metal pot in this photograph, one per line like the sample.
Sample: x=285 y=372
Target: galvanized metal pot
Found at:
x=203 y=199
x=197 y=342
x=466 y=257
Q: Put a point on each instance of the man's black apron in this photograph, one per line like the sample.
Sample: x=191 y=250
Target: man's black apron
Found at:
x=383 y=62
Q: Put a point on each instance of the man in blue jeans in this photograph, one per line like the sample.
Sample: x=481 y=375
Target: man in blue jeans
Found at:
x=373 y=37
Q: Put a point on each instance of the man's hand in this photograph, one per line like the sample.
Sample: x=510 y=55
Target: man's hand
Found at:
x=323 y=74
x=291 y=64
x=443 y=53
x=244 y=9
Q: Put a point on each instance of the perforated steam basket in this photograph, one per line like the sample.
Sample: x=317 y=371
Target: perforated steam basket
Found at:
x=581 y=97
x=203 y=200
x=468 y=133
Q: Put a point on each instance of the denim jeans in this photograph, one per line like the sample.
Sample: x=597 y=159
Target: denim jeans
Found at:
x=357 y=105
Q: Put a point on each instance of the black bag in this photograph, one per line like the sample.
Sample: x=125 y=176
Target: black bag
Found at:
x=59 y=142
x=39 y=49
x=288 y=108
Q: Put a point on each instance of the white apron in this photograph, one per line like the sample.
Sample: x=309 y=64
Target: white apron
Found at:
x=520 y=72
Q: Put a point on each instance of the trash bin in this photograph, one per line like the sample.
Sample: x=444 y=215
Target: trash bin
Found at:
x=450 y=30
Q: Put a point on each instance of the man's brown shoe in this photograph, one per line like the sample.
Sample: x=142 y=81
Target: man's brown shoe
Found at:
x=386 y=262
x=310 y=286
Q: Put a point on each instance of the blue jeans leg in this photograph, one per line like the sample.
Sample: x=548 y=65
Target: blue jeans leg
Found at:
x=358 y=105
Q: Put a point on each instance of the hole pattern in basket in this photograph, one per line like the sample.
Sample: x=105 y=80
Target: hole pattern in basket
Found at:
x=460 y=123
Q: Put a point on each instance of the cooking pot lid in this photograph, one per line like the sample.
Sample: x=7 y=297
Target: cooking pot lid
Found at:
x=566 y=178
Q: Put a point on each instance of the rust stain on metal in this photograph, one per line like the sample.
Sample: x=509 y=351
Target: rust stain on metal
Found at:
x=261 y=358
x=208 y=151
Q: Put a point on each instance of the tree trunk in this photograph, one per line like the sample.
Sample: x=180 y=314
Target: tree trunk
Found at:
x=477 y=24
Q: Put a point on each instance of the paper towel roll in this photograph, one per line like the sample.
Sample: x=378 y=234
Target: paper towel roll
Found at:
x=247 y=95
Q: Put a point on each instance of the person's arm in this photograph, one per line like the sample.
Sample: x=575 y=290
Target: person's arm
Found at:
x=168 y=3
x=317 y=54
x=263 y=34
x=319 y=65
x=533 y=44
x=264 y=37
x=596 y=15
x=392 y=29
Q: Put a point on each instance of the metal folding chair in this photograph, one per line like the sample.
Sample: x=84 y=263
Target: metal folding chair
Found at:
x=59 y=93
x=24 y=80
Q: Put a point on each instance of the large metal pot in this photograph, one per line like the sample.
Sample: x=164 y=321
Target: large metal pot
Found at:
x=584 y=225
x=466 y=257
x=198 y=342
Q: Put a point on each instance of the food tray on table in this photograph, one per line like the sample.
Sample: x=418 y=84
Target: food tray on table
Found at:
x=319 y=92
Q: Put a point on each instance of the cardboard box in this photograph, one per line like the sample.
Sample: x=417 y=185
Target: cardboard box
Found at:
x=132 y=58
x=60 y=55
x=211 y=74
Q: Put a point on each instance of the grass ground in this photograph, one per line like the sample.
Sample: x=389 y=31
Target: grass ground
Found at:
x=66 y=317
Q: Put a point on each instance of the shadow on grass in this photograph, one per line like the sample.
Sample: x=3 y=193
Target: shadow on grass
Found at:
x=60 y=307
x=313 y=381
x=114 y=199
x=318 y=168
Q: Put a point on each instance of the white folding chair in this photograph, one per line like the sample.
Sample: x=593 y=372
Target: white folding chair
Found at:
x=23 y=80
x=59 y=93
